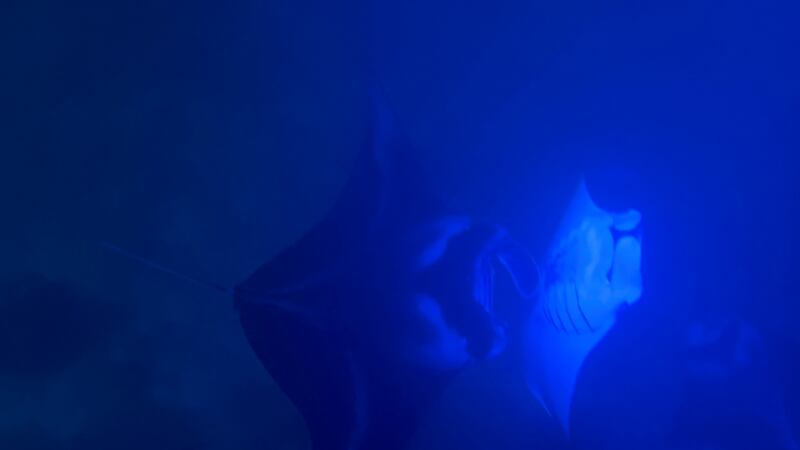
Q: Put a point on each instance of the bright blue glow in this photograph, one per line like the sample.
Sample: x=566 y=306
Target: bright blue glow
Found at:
x=589 y=277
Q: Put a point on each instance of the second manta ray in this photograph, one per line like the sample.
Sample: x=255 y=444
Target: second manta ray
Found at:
x=366 y=318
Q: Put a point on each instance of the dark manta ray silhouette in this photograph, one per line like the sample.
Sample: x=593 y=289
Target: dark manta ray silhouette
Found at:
x=365 y=319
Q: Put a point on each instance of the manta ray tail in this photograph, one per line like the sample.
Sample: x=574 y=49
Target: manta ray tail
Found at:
x=151 y=264
x=206 y=284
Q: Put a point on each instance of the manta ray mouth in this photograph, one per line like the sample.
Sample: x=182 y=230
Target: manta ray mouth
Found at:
x=486 y=291
x=519 y=268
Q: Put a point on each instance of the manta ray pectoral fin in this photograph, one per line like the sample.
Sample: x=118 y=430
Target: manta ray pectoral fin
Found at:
x=384 y=197
x=355 y=273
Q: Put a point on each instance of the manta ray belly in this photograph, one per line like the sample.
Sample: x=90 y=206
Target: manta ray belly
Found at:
x=589 y=276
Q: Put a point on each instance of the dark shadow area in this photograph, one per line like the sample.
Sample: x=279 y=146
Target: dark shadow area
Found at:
x=47 y=326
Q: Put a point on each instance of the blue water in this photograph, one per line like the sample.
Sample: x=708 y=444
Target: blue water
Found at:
x=210 y=136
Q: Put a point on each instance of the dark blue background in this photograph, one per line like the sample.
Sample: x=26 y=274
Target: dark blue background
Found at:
x=208 y=136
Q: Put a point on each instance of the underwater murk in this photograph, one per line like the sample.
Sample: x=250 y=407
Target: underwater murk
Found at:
x=400 y=225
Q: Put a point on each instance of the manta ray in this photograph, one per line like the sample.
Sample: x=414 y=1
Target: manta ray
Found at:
x=592 y=270
x=366 y=318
